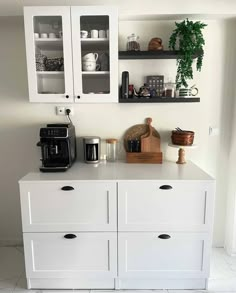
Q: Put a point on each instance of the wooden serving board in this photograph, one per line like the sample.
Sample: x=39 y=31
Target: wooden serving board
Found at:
x=147 y=158
x=150 y=143
x=136 y=131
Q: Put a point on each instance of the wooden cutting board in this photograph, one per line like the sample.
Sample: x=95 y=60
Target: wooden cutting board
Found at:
x=149 y=142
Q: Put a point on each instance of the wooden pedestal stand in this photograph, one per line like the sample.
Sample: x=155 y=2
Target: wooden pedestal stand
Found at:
x=181 y=152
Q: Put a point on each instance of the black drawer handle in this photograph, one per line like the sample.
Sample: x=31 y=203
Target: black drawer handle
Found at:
x=70 y=236
x=67 y=188
x=164 y=236
x=165 y=187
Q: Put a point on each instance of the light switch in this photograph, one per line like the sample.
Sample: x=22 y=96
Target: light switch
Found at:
x=214 y=131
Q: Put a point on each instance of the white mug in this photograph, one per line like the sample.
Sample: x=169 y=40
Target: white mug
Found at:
x=52 y=35
x=90 y=57
x=102 y=34
x=36 y=35
x=90 y=66
x=44 y=35
x=83 y=34
x=94 y=34
x=107 y=34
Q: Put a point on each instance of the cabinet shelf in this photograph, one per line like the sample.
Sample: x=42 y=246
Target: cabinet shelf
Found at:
x=150 y=54
x=95 y=72
x=44 y=44
x=160 y=100
x=50 y=72
x=94 y=41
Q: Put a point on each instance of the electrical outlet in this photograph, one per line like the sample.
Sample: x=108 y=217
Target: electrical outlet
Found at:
x=71 y=110
x=61 y=110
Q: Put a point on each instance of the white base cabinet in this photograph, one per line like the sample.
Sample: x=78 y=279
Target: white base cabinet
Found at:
x=118 y=232
x=71 y=255
x=177 y=255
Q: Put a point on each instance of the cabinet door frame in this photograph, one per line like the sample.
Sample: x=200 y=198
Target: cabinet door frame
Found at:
x=152 y=237
x=39 y=199
x=128 y=208
x=76 y=12
x=64 y=12
x=44 y=243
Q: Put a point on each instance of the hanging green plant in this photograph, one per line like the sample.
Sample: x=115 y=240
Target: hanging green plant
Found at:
x=188 y=35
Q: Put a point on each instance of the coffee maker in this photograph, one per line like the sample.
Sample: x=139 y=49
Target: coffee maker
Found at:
x=58 y=147
x=92 y=149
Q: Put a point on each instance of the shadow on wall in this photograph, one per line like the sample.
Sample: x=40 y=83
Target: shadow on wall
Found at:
x=13 y=79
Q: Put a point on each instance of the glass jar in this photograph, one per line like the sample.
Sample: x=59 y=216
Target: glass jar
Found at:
x=111 y=146
x=132 y=44
x=170 y=90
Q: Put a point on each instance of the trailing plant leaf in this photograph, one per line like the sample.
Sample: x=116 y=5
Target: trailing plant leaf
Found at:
x=188 y=35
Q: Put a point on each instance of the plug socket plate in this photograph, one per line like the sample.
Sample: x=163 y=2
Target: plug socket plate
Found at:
x=61 y=110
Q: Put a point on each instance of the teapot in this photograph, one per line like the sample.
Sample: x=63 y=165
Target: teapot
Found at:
x=144 y=91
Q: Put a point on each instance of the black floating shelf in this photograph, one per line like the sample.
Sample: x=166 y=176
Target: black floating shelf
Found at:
x=159 y=100
x=150 y=54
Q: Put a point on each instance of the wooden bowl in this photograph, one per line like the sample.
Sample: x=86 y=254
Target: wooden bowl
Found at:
x=184 y=137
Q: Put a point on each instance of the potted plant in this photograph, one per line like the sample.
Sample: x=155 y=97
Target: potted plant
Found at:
x=188 y=35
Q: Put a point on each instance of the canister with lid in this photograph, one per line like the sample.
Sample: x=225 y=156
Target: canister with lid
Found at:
x=111 y=147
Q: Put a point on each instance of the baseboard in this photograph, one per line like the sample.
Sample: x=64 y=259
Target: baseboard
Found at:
x=11 y=242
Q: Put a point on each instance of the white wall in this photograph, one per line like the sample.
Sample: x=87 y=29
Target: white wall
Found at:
x=20 y=120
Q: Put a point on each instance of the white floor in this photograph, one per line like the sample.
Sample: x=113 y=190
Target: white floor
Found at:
x=12 y=274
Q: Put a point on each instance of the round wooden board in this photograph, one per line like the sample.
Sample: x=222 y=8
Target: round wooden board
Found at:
x=136 y=131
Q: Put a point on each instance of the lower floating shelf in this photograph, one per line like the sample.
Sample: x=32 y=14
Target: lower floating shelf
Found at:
x=160 y=100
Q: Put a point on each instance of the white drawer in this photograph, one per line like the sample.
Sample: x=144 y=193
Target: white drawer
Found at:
x=146 y=255
x=81 y=255
x=144 y=206
x=68 y=206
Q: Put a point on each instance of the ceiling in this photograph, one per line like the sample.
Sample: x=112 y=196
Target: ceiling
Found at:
x=214 y=9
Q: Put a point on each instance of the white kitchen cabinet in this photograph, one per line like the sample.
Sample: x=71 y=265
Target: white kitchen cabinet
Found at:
x=48 y=86
x=70 y=255
x=168 y=255
x=54 y=60
x=118 y=226
x=68 y=206
x=161 y=205
x=102 y=85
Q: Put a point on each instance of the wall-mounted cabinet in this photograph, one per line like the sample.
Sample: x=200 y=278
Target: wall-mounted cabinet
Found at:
x=55 y=51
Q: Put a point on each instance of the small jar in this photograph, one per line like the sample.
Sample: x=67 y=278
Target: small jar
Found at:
x=169 y=91
x=132 y=44
x=111 y=146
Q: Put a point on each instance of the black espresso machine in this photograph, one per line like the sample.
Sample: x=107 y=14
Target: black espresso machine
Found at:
x=58 y=147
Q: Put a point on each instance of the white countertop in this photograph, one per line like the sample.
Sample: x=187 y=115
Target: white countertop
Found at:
x=122 y=171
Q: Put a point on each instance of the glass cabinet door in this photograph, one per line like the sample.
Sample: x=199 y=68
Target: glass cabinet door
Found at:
x=95 y=54
x=49 y=57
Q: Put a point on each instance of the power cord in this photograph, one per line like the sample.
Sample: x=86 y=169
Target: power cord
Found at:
x=68 y=115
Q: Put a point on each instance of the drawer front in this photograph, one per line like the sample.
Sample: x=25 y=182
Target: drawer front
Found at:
x=68 y=206
x=163 y=255
x=70 y=255
x=176 y=206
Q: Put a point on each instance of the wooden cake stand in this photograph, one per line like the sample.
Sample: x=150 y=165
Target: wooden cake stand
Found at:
x=181 y=153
